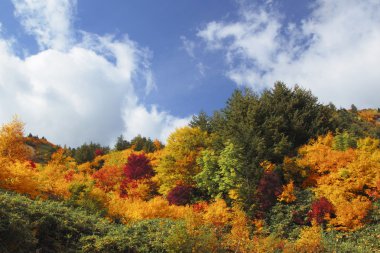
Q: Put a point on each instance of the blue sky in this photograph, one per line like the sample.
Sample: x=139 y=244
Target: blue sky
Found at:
x=89 y=70
x=181 y=89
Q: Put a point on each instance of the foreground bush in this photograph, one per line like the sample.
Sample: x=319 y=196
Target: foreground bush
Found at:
x=29 y=225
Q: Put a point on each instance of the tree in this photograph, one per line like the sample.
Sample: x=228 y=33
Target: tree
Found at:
x=138 y=167
x=345 y=178
x=108 y=177
x=12 y=146
x=345 y=120
x=56 y=175
x=16 y=171
x=274 y=124
x=87 y=152
x=220 y=174
x=343 y=141
x=180 y=195
x=321 y=210
x=137 y=174
x=178 y=162
x=140 y=143
x=121 y=143
x=202 y=121
x=208 y=179
x=354 y=109
x=287 y=194
x=268 y=127
x=268 y=189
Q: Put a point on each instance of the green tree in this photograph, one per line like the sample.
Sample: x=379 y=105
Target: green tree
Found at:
x=202 y=121
x=345 y=120
x=220 y=173
x=140 y=143
x=121 y=143
x=343 y=141
x=268 y=127
x=354 y=109
x=87 y=152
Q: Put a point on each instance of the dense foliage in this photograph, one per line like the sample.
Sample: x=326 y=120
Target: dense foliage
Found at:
x=270 y=172
x=87 y=152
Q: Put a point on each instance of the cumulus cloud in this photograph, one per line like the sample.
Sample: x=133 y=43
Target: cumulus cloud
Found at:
x=140 y=120
x=77 y=91
x=334 y=52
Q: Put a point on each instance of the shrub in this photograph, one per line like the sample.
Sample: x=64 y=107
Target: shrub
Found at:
x=269 y=189
x=108 y=177
x=180 y=195
x=320 y=210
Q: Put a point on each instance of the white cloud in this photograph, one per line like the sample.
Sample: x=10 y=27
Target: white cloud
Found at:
x=188 y=46
x=48 y=21
x=140 y=120
x=79 y=92
x=334 y=52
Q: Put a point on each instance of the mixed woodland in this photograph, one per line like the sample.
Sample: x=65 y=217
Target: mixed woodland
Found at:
x=275 y=171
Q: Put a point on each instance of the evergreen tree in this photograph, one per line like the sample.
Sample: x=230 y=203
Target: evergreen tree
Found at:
x=269 y=127
x=121 y=143
x=202 y=121
x=87 y=152
x=142 y=143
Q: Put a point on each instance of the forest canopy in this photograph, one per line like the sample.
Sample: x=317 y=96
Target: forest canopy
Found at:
x=270 y=172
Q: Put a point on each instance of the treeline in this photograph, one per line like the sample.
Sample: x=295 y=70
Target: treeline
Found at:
x=87 y=152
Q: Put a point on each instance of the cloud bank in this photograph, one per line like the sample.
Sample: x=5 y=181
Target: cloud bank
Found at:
x=334 y=52
x=77 y=90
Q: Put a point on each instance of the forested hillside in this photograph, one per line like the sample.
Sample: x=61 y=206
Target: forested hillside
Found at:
x=270 y=172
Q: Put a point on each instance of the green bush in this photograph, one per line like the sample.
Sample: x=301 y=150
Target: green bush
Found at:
x=286 y=220
x=28 y=225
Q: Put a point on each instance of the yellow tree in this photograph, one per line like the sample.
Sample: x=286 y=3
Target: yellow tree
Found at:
x=238 y=239
x=287 y=194
x=12 y=144
x=310 y=240
x=344 y=177
x=177 y=164
x=56 y=176
x=16 y=173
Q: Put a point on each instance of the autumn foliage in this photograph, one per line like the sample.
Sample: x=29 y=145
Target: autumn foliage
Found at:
x=269 y=188
x=180 y=195
x=321 y=210
x=243 y=180
x=108 y=177
x=138 y=167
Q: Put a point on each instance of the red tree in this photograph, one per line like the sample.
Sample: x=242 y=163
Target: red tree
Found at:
x=107 y=177
x=319 y=209
x=99 y=152
x=268 y=189
x=138 y=167
x=180 y=195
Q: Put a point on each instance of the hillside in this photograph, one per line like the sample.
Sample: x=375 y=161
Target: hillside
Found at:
x=41 y=148
x=270 y=172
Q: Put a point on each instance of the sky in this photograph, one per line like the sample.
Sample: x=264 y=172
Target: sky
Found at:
x=77 y=71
